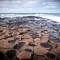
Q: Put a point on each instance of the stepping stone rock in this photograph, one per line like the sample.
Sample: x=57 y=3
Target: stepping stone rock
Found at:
x=2 y=41
x=50 y=55
x=56 y=51
x=29 y=47
x=23 y=31
x=16 y=38
x=1 y=30
x=10 y=38
x=7 y=46
x=11 y=41
x=52 y=37
x=14 y=34
x=26 y=36
x=56 y=29
x=58 y=57
x=28 y=40
x=1 y=55
x=56 y=34
x=32 y=45
x=17 y=58
x=40 y=51
x=41 y=58
x=44 y=40
x=24 y=55
x=7 y=35
x=19 y=45
x=56 y=41
x=1 y=37
x=45 y=45
x=11 y=53
x=46 y=35
x=39 y=31
x=19 y=36
x=28 y=50
x=37 y=40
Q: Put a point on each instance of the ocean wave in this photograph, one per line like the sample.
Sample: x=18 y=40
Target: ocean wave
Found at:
x=51 y=17
x=47 y=16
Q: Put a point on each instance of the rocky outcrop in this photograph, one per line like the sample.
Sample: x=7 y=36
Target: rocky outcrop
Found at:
x=29 y=38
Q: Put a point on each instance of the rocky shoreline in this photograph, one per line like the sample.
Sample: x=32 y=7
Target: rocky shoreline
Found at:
x=29 y=38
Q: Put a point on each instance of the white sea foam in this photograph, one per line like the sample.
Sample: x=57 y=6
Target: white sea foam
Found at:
x=15 y=15
x=53 y=18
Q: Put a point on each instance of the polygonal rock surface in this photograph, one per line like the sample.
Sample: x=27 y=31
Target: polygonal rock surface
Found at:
x=24 y=55
x=40 y=51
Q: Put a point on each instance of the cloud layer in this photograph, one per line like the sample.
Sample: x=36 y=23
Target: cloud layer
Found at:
x=22 y=6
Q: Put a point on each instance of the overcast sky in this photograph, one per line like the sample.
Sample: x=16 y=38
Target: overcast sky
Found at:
x=29 y=6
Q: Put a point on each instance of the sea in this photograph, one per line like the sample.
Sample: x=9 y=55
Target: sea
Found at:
x=52 y=16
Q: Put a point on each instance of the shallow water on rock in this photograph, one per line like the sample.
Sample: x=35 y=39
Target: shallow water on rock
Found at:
x=46 y=45
x=19 y=45
x=32 y=45
x=56 y=41
x=50 y=55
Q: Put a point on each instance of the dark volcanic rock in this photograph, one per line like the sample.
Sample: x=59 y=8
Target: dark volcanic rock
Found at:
x=34 y=35
x=55 y=34
x=11 y=41
x=21 y=20
x=46 y=45
x=19 y=45
x=2 y=22
x=32 y=45
x=32 y=17
x=16 y=39
x=11 y=53
x=28 y=50
x=17 y=58
x=52 y=37
x=50 y=55
x=37 y=21
x=56 y=41
x=1 y=55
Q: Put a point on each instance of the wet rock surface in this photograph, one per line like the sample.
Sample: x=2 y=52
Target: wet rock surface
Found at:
x=45 y=45
x=32 y=45
x=50 y=55
x=33 y=37
x=19 y=45
x=11 y=53
x=56 y=41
